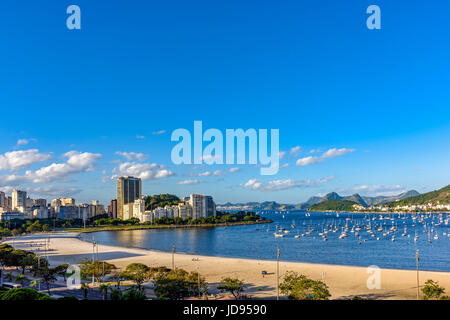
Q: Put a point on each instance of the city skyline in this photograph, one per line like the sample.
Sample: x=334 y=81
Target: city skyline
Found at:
x=359 y=111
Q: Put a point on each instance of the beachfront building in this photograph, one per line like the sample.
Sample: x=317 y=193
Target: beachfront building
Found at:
x=128 y=190
x=197 y=206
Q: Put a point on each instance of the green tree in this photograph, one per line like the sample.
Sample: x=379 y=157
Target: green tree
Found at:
x=98 y=269
x=432 y=290
x=115 y=294
x=299 y=287
x=136 y=272
x=48 y=275
x=21 y=279
x=61 y=270
x=104 y=290
x=34 y=227
x=232 y=285
x=177 y=284
x=24 y=294
x=85 y=289
x=134 y=295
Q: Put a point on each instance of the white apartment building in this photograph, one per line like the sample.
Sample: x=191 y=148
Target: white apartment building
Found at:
x=138 y=209
x=184 y=210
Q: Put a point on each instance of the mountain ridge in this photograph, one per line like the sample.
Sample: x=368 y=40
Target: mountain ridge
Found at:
x=365 y=201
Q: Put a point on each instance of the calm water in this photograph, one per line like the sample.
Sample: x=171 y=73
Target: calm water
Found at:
x=259 y=242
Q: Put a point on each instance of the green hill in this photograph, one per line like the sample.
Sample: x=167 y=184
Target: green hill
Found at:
x=441 y=195
x=333 y=205
x=160 y=200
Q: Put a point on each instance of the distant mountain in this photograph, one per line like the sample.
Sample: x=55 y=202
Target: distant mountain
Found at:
x=331 y=196
x=442 y=196
x=266 y=205
x=308 y=203
x=356 y=198
x=362 y=200
x=376 y=201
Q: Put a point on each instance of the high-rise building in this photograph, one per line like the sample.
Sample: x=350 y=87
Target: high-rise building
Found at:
x=67 y=201
x=128 y=190
x=2 y=199
x=40 y=203
x=210 y=207
x=113 y=209
x=202 y=206
x=8 y=202
x=19 y=200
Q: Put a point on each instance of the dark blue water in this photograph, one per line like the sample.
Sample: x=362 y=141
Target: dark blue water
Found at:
x=259 y=242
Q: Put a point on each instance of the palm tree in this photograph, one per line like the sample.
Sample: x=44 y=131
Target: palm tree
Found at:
x=85 y=288
x=104 y=290
x=21 y=278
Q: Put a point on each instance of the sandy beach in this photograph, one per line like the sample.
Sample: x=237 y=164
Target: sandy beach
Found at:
x=343 y=281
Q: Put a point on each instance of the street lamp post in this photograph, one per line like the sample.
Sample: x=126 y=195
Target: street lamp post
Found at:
x=417 y=275
x=278 y=274
x=93 y=260
x=198 y=274
x=173 y=257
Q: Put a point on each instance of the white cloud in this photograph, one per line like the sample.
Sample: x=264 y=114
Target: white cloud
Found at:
x=232 y=170
x=159 y=132
x=375 y=190
x=284 y=165
x=53 y=191
x=140 y=137
x=210 y=173
x=282 y=154
x=189 y=181
x=307 y=161
x=277 y=185
x=77 y=162
x=295 y=150
x=22 y=142
x=130 y=156
x=145 y=171
x=16 y=160
x=331 y=153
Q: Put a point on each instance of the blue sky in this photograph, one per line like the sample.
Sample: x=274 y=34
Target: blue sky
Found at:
x=138 y=70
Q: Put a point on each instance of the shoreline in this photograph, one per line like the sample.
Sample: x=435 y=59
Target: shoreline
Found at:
x=161 y=226
x=343 y=281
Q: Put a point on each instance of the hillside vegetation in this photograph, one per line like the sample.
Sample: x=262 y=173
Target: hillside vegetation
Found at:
x=333 y=205
x=441 y=195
